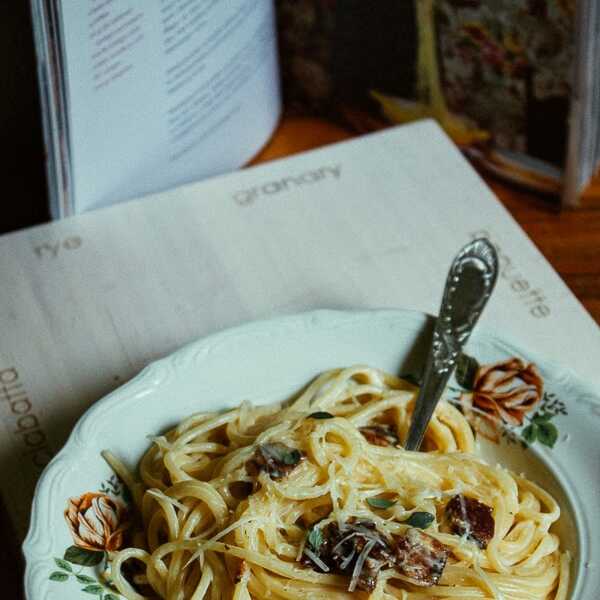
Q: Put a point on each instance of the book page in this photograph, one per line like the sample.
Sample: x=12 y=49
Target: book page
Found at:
x=165 y=92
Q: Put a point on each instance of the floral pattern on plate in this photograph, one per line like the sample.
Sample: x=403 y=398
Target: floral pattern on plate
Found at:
x=97 y=522
x=506 y=399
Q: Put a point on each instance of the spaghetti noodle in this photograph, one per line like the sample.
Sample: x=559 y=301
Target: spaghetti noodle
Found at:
x=317 y=499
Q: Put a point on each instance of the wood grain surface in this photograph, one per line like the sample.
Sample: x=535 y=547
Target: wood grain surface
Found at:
x=570 y=240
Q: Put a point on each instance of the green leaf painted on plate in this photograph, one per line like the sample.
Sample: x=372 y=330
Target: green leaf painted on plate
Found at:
x=63 y=564
x=85 y=579
x=111 y=597
x=81 y=556
x=547 y=433
x=380 y=502
x=58 y=576
x=530 y=433
x=541 y=418
x=93 y=589
x=466 y=370
x=320 y=414
x=422 y=520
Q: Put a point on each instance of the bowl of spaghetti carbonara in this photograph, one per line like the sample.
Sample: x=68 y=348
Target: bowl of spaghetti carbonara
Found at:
x=268 y=462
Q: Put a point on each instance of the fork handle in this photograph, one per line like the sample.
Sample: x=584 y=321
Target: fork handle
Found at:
x=469 y=284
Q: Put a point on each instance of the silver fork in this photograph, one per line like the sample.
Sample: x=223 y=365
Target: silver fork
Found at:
x=470 y=282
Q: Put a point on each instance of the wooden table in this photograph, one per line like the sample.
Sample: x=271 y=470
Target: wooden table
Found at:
x=570 y=241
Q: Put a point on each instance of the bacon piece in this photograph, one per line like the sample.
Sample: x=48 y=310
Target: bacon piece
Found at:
x=421 y=557
x=341 y=550
x=357 y=549
x=471 y=518
x=380 y=435
x=275 y=458
x=379 y=557
x=352 y=541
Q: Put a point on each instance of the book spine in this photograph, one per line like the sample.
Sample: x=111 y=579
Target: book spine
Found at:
x=48 y=47
x=579 y=163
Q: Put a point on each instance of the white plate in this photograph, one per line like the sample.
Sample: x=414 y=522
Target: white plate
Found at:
x=268 y=361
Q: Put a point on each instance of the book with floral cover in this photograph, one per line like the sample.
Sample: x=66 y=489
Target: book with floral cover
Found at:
x=513 y=82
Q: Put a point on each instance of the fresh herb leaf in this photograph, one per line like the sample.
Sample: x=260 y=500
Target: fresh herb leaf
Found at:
x=380 y=502
x=291 y=458
x=315 y=538
x=275 y=458
x=63 y=564
x=58 y=576
x=547 y=433
x=85 y=579
x=93 y=589
x=281 y=453
x=466 y=370
x=80 y=556
x=530 y=433
x=320 y=414
x=422 y=520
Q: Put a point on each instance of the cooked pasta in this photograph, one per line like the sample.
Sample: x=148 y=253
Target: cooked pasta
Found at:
x=316 y=499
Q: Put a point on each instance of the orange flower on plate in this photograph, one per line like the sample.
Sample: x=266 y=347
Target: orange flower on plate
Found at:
x=503 y=392
x=96 y=522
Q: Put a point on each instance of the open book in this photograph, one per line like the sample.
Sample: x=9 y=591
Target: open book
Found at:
x=143 y=95
x=140 y=96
